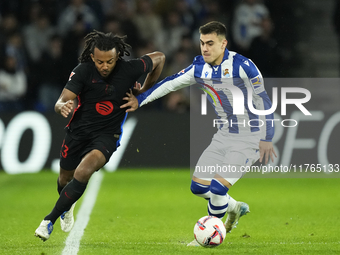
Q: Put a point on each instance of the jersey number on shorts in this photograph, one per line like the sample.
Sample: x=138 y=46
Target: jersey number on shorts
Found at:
x=64 y=150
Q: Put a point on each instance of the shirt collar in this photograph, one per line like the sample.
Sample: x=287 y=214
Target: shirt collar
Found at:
x=226 y=54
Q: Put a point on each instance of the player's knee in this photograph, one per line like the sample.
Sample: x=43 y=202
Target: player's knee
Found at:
x=63 y=180
x=198 y=189
x=65 y=177
x=217 y=188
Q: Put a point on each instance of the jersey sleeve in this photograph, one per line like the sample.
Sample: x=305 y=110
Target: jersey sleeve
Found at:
x=147 y=63
x=171 y=83
x=253 y=77
x=140 y=66
x=266 y=104
x=76 y=80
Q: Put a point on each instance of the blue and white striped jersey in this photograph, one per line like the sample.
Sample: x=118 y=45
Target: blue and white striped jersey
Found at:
x=228 y=85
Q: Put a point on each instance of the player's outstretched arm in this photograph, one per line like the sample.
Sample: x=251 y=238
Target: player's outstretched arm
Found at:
x=64 y=105
x=266 y=151
x=132 y=102
x=158 y=60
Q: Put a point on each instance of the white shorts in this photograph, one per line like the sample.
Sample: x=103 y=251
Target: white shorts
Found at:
x=228 y=155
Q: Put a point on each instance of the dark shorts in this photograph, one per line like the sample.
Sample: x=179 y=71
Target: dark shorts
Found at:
x=72 y=151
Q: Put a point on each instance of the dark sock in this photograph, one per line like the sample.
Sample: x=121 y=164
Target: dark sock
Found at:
x=70 y=194
x=60 y=188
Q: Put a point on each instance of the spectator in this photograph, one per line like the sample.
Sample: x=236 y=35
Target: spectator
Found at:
x=9 y=24
x=212 y=11
x=52 y=8
x=179 y=61
x=247 y=24
x=77 y=11
x=53 y=74
x=33 y=13
x=190 y=47
x=169 y=39
x=187 y=14
x=178 y=101
x=122 y=11
x=37 y=36
x=97 y=8
x=111 y=7
x=264 y=50
x=144 y=47
x=73 y=43
x=148 y=22
x=113 y=25
x=14 y=47
x=13 y=86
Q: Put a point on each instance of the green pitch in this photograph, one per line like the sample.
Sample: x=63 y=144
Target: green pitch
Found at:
x=154 y=212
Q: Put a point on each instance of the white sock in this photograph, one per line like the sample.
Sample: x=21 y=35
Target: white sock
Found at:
x=231 y=204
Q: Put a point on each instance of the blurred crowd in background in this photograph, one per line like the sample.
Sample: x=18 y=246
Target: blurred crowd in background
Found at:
x=41 y=40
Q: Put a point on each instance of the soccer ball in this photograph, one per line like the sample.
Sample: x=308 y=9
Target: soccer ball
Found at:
x=209 y=231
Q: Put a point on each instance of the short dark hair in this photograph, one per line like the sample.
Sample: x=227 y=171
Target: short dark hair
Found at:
x=104 y=42
x=214 y=27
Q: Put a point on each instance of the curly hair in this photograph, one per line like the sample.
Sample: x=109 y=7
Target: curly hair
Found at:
x=104 y=42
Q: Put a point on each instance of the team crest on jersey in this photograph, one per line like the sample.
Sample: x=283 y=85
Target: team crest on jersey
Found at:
x=257 y=83
x=73 y=73
x=226 y=73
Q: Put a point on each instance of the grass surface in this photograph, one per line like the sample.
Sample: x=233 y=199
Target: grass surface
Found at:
x=153 y=212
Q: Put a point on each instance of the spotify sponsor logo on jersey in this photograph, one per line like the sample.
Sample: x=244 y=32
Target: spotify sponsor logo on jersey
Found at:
x=104 y=107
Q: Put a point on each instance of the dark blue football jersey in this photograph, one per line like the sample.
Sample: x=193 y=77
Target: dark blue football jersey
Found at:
x=99 y=99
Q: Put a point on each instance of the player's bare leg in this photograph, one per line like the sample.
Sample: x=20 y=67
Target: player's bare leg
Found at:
x=65 y=176
x=91 y=162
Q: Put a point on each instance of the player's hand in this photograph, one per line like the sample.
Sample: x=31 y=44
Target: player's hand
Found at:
x=132 y=102
x=266 y=151
x=67 y=108
x=137 y=89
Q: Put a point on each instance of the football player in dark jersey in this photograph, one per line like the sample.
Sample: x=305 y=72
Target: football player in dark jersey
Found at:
x=99 y=83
